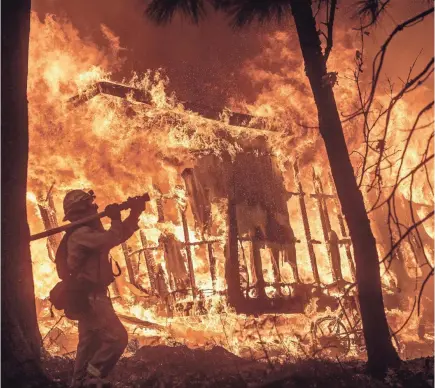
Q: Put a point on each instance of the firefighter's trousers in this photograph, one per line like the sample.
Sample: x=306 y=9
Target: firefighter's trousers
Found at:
x=102 y=339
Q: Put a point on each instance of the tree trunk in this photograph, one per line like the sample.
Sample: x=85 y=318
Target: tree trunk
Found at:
x=380 y=351
x=21 y=340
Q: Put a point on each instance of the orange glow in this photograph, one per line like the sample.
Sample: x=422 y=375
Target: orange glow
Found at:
x=122 y=148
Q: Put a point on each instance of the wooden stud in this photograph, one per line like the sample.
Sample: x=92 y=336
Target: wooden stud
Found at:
x=303 y=207
x=188 y=252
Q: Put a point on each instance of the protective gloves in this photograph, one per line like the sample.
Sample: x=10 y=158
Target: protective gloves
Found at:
x=112 y=211
x=137 y=207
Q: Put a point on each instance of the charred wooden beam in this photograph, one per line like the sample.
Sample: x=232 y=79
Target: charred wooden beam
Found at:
x=273 y=284
x=143 y=96
x=163 y=291
x=258 y=267
x=159 y=203
x=212 y=263
x=171 y=278
x=275 y=268
x=204 y=242
x=334 y=252
x=143 y=249
x=306 y=223
x=323 y=197
x=320 y=203
x=125 y=250
x=243 y=269
x=113 y=89
x=190 y=243
x=343 y=229
x=232 y=271
x=326 y=228
x=198 y=200
x=149 y=261
x=188 y=252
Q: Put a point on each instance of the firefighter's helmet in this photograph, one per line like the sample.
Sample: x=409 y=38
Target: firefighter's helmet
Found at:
x=76 y=200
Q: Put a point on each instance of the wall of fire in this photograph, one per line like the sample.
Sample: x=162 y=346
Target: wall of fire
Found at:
x=268 y=249
x=275 y=240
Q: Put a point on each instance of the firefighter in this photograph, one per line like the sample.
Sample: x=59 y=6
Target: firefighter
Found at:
x=102 y=337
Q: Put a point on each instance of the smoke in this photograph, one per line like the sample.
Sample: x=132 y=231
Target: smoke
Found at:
x=203 y=62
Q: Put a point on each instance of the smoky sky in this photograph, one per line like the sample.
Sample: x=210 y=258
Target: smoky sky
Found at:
x=205 y=62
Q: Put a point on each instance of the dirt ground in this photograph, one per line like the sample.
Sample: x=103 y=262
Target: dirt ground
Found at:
x=178 y=366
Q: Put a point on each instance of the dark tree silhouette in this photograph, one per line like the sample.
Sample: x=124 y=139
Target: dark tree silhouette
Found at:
x=21 y=340
x=380 y=351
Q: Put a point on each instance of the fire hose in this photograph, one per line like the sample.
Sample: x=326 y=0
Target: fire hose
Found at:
x=122 y=206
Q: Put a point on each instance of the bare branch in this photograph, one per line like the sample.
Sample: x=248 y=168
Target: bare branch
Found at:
x=420 y=294
x=422 y=221
x=380 y=56
x=330 y=26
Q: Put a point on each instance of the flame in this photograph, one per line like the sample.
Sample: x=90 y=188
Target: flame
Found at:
x=31 y=197
x=121 y=148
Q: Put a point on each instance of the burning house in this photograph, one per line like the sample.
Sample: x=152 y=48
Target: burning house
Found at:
x=252 y=186
x=241 y=223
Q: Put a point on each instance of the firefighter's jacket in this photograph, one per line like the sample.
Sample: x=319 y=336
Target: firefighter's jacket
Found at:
x=88 y=250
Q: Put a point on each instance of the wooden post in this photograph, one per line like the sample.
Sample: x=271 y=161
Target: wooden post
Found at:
x=159 y=202
x=323 y=197
x=343 y=230
x=274 y=253
x=243 y=269
x=258 y=265
x=306 y=226
x=211 y=258
x=149 y=261
x=188 y=252
x=128 y=264
x=326 y=227
x=232 y=271
x=212 y=262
